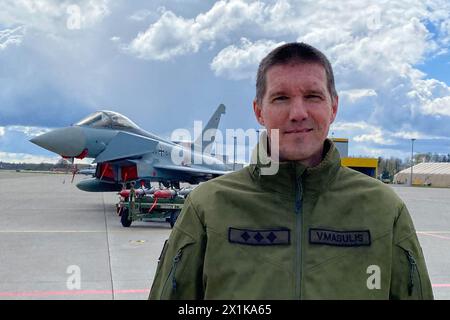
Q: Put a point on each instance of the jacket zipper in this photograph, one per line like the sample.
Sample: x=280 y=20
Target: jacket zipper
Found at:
x=412 y=271
x=298 y=220
x=173 y=269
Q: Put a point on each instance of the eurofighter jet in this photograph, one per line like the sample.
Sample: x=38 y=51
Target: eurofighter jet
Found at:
x=125 y=153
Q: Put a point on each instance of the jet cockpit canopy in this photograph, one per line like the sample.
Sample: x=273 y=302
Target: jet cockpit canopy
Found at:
x=107 y=119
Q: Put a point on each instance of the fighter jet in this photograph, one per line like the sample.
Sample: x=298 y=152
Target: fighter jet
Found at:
x=87 y=171
x=125 y=153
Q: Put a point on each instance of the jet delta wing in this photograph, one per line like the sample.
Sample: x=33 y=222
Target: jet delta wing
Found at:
x=125 y=153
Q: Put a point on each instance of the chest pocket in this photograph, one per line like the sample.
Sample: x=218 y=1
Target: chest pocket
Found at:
x=339 y=264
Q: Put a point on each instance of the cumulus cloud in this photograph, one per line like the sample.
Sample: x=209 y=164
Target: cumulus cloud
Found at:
x=53 y=15
x=30 y=132
x=363 y=132
x=416 y=135
x=11 y=37
x=372 y=46
x=354 y=95
x=347 y=126
x=376 y=51
x=378 y=136
x=141 y=15
x=50 y=65
x=240 y=62
x=438 y=107
x=166 y=38
x=364 y=150
x=26 y=158
x=171 y=35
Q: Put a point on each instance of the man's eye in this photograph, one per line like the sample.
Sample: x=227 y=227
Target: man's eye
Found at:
x=279 y=98
x=313 y=97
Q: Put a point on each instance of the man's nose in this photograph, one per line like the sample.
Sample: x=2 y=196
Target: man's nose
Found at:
x=298 y=110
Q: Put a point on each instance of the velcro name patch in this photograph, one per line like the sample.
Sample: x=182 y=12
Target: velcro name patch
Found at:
x=266 y=237
x=340 y=238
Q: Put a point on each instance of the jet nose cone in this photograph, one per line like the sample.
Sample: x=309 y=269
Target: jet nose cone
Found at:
x=67 y=142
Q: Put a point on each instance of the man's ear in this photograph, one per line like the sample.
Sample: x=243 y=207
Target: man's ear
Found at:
x=258 y=112
x=334 y=108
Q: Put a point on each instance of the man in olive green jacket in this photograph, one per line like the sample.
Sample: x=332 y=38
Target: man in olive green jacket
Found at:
x=310 y=230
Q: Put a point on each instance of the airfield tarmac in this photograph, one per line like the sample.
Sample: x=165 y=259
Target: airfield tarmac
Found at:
x=52 y=235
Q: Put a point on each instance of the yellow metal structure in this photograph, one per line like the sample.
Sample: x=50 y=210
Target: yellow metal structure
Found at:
x=365 y=165
x=340 y=140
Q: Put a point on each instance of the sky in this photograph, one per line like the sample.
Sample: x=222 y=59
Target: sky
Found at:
x=167 y=63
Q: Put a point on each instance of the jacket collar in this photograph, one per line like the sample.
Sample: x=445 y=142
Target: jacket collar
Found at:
x=313 y=179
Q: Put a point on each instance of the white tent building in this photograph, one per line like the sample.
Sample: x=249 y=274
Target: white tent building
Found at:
x=427 y=173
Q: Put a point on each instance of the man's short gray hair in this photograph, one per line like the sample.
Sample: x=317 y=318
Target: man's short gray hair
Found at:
x=293 y=52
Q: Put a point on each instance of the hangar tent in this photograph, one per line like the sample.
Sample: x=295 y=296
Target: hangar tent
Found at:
x=427 y=173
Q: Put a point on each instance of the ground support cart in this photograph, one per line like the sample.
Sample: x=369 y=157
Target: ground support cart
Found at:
x=150 y=207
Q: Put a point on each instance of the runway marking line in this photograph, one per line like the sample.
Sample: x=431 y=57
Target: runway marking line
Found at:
x=60 y=231
x=434 y=235
x=108 y=292
x=70 y=293
x=136 y=291
x=444 y=232
x=441 y=285
x=52 y=231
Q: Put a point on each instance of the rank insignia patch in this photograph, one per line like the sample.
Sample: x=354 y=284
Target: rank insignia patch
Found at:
x=340 y=238
x=266 y=237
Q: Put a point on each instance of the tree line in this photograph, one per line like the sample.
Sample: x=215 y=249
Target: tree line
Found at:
x=62 y=164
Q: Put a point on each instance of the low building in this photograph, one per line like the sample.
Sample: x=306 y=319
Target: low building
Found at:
x=436 y=174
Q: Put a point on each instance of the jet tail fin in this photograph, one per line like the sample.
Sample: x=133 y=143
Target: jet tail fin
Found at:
x=210 y=129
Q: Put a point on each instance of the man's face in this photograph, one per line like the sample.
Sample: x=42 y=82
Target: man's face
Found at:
x=297 y=102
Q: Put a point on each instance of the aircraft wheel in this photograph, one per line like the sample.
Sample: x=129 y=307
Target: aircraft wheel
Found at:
x=173 y=217
x=124 y=218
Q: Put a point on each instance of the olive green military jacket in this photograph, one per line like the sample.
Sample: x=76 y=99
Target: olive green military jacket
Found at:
x=326 y=232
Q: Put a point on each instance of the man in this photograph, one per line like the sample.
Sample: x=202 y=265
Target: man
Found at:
x=312 y=230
